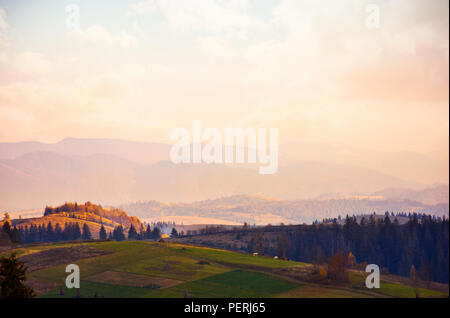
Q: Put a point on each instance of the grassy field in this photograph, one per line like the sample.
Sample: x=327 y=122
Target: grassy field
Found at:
x=150 y=269
x=393 y=290
x=234 y=284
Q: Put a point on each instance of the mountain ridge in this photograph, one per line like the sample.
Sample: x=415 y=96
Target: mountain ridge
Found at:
x=428 y=168
x=40 y=178
x=243 y=208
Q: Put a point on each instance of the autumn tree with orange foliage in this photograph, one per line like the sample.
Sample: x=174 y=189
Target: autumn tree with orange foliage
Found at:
x=337 y=268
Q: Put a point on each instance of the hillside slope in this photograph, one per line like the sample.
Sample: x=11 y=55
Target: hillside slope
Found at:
x=69 y=213
x=155 y=270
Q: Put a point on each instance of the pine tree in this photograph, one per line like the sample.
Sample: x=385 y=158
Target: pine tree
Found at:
x=118 y=233
x=12 y=278
x=148 y=232
x=58 y=233
x=15 y=236
x=86 y=233
x=156 y=233
x=49 y=234
x=132 y=234
x=102 y=233
x=7 y=228
x=174 y=233
x=76 y=234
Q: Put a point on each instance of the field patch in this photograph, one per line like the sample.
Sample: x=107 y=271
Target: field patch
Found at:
x=229 y=258
x=57 y=256
x=92 y=289
x=394 y=290
x=316 y=291
x=234 y=284
x=39 y=286
x=133 y=280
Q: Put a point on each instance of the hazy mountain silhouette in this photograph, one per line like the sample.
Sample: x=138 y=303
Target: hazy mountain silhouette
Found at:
x=264 y=210
x=434 y=195
x=416 y=167
x=36 y=179
x=140 y=152
x=411 y=166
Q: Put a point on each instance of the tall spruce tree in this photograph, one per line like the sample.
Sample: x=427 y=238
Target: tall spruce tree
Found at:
x=76 y=234
x=86 y=233
x=118 y=233
x=132 y=234
x=102 y=233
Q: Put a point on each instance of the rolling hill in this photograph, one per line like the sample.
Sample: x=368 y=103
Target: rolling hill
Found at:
x=92 y=215
x=161 y=270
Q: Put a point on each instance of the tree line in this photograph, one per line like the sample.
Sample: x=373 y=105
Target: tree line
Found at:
x=72 y=232
x=393 y=247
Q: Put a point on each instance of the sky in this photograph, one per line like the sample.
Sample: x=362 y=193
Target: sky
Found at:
x=314 y=69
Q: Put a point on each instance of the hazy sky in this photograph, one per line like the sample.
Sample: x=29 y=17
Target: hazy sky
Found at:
x=137 y=69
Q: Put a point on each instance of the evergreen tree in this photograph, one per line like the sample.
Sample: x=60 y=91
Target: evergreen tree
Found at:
x=12 y=278
x=174 y=233
x=156 y=233
x=7 y=228
x=132 y=234
x=118 y=233
x=58 y=233
x=148 y=232
x=86 y=233
x=76 y=234
x=102 y=233
x=15 y=236
x=49 y=234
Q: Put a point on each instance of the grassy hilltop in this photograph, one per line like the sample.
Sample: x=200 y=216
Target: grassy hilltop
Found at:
x=150 y=269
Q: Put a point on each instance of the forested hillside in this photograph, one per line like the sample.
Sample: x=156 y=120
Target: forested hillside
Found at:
x=423 y=242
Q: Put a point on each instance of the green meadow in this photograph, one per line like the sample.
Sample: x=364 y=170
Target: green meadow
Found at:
x=176 y=270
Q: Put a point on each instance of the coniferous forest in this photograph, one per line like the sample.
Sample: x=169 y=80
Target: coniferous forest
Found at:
x=422 y=243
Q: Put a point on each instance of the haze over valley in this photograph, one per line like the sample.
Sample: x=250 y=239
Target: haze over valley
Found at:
x=119 y=172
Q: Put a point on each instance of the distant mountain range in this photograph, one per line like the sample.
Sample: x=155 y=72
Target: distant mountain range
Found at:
x=112 y=172
x=36 y=179
x=417 y=168
x=264 y=210
x=139 y=152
